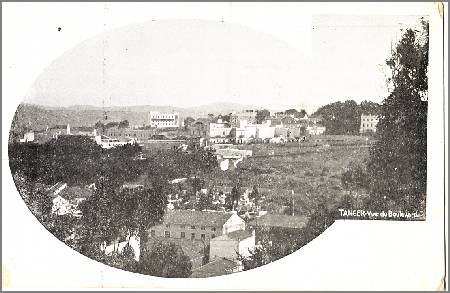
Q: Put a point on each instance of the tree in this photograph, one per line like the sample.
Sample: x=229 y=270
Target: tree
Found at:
x=322 y=217
x=166 y=259
x=291 y=112
x=111 y=124
x=301 y=114
x=261 y=115
x=254 y=194
x=345 y=118
x=265 y=252
x=397 y=167
x=257 y=257
x=188 y=122
x=124 y=124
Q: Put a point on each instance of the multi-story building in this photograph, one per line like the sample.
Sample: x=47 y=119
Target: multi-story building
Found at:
x=219 y=130
x=368 y=123
x=164 y=120
x=196 y=225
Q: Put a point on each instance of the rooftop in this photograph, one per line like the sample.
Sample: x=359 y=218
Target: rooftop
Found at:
x=196 y=218
x=235 y=235
x=69 y=192
x=216 y=267
x=282 y=221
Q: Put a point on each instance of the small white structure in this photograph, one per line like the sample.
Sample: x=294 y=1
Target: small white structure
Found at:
x=61 y=206
x=315 y=130
x=27 y=137
x=178 y=180
x=224 y=165
x=229 y=245
x=108 y=143
x=134 y=242
x=219 y=130
x=368 y=123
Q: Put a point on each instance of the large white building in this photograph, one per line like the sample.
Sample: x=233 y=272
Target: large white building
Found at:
x=164 y=120
x=219 y=129
x=368 y=123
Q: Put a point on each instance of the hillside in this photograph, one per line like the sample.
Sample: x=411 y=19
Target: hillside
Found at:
x=37 y=117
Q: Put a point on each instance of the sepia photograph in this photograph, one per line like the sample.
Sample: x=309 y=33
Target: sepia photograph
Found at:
x=197 y=148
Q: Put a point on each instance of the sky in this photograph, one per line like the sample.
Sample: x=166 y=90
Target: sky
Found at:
x=191 y=62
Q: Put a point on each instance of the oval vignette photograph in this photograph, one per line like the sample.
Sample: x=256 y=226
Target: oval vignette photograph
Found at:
x=200 y=148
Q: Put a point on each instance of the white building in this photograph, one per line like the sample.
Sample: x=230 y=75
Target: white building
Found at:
x=27 y=137
x=229 y=245
x=108 y=142
x=118 y=246
x=164 y=120
x=196 y=225
x=315 y=130
x=265 y=131
x=219 y=130
x=368 y=123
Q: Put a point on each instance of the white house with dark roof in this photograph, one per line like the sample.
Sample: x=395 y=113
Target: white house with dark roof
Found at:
x=230 y=245
x=196 y=225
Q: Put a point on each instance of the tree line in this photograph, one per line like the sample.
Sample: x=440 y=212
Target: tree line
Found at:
x=110 y=212
x=395 y=175
x=345 y=117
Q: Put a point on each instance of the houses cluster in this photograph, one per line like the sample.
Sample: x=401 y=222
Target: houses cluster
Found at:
x=243 y=128
x=215 y=241
x=214 y=238
x=237 y=128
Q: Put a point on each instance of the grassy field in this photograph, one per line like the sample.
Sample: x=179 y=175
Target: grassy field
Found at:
x=313 y=172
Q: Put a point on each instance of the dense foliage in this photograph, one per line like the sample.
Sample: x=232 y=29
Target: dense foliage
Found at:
x=76 y=160
x=398 y=161
x=345 y=118
x=165 y=259
x=395 y=175
x=111 y=212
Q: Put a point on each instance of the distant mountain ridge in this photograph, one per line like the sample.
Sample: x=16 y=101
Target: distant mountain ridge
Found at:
x=38 y=117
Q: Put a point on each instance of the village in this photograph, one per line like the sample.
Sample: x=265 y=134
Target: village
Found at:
x=216 y=222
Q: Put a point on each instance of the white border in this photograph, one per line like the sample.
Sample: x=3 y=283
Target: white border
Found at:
x=351 y=255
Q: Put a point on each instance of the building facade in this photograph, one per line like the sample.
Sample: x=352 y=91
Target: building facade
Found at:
x=315 y=130
x=368 y=123
x=125 y=134
x=229 y=245
x=164 y=120
x=196 y=225
x=219 y=130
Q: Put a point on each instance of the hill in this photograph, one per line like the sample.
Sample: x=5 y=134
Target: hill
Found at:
x=36 y=117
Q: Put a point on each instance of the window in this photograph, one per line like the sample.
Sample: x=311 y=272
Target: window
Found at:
x=183 y=235
x=192 y=236
x=192 y=227
x=152 y=233
x=203 y=228
x=203 y=236
x=167 y=234
x=213 y=229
